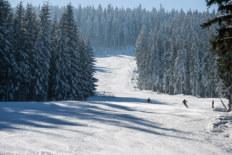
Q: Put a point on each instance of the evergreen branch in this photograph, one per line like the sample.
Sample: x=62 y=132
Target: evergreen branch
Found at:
x=217 y=19
x=225 y=39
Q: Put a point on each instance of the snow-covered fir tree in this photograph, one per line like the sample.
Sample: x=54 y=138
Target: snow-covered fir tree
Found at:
x=21 y=55
x=54 y=63
x=87 y=69
x=68 y=48
x=42 y=54
x=141 y=59
x=7 y=61
x=31 y=28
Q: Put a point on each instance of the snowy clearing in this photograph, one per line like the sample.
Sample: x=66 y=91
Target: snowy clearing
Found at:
x=117 y=122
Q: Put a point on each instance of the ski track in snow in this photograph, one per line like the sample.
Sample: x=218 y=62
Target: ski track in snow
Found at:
x=117 y=121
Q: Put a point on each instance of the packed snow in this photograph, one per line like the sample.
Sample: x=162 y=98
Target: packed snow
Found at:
x=117 y=121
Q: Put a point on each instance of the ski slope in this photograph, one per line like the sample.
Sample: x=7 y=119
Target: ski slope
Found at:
x=117 y=121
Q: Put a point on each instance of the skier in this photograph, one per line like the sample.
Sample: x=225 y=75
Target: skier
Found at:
x=148 y=100
x=213 y=104
x=185 y=103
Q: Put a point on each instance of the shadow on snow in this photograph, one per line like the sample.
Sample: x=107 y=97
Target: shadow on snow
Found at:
x=14 y=115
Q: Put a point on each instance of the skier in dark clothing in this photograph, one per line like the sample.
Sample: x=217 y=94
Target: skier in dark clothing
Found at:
x=185 y=103
x=148 y=100
x=213 y=104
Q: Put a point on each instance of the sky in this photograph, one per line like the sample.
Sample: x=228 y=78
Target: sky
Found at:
x=167 y=4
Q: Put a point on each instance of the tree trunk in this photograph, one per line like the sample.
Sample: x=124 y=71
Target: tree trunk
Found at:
x=230 y=100
x=230 y=103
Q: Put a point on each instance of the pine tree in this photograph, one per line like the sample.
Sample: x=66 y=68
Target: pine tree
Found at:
x=87 y=69
x=90 y=69
x=31 y=29
x=222 y=42
x=141 y=55
x=69 y=71
x=21 y=56
x=54 y=63
x=42 y=54
x=7 y=61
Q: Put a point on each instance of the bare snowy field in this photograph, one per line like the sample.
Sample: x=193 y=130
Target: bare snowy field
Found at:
x=116 y=122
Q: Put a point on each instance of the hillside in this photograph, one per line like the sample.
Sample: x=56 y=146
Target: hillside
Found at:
x=116 y=121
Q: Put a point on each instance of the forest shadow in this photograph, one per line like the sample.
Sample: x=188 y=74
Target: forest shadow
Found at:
x=19 y=116
x=39 y=115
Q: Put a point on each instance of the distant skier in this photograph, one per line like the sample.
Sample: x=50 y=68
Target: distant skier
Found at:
x=213 y=104
x=148 y=100
x=185 y=103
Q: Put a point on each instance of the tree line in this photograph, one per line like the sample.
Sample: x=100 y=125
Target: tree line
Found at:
x=43 y=58
x=174 y=55
x=110 y=27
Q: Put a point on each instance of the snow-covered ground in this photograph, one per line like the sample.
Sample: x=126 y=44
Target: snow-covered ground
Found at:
x=117 y=121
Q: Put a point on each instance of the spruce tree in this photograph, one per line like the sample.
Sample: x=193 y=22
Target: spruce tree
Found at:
x=7 y=61
x=68 y=86
x=21 y=55
x=90 y=69
x=42 y=54
x=31 y=29
x=54 y=63
x=86 y=70
x=141 y=52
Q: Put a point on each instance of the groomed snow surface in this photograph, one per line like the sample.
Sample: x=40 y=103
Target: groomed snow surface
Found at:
x=118 y=121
